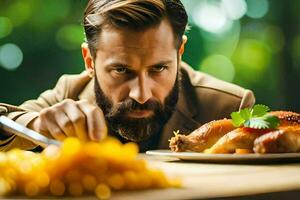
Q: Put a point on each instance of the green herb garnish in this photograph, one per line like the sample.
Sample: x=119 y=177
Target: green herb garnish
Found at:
x=257 y=118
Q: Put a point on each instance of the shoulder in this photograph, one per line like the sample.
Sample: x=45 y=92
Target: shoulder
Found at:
x=214 y=98
x=74 y=78
x=72 y=84
x=202 y=81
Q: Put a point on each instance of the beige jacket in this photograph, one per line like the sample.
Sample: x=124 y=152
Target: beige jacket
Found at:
x=202 y=98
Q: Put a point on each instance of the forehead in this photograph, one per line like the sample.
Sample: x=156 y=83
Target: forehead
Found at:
x=154 y=40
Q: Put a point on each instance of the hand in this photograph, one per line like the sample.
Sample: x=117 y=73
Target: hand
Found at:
x=71 y=119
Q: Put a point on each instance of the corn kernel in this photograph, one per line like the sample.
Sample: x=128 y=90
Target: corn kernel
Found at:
x=89 y=182
x=31 y=189
x=131 y=179
x=4 y=187
x=116 y=181
x=42 y=179
x=102 y=191
x=75 y=189
x=57 y=188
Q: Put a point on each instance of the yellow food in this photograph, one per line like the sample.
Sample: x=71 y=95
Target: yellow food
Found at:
x=77 y=169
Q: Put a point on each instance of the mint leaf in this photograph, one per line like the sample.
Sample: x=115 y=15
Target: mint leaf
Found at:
x=260 y=110
x=237 y=120
x=257 y=123
x=245 y=113
x=272 y=120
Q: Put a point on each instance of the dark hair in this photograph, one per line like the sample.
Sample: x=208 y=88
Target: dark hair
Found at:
x=132 y=14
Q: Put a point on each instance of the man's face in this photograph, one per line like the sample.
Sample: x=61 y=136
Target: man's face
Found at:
x=136 y=79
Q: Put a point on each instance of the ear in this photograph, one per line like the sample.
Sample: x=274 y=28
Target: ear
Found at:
x=181 y=49
x=88 y=60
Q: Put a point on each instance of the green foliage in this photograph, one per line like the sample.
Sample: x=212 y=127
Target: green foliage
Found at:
x=237 y=119
x=252 y=50
x=260 y=110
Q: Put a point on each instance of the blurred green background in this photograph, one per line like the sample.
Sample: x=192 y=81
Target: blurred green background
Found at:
x=253 y=43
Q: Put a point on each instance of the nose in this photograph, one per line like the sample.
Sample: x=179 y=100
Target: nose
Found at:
x=140 y=90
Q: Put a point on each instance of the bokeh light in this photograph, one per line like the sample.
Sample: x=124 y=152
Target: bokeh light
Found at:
x=253 y=54
x=257 y=8
x=235 y=9
x=211 y=17
x=218 y=66
x=251 y=59
x=11 y=56
x=19 y=12
x=191 y=6
x=5 y=27
x=70 y=37
x=224 y=44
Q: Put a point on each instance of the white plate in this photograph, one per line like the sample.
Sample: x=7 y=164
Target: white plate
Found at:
x=192 y=156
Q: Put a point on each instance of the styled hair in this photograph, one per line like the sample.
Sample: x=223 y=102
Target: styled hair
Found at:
x=137 y=15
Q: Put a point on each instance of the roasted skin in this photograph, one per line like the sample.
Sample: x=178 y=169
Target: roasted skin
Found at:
x=284 y=140
x=287 y=118
x=240 y=138
x=202 y=138
x=221 y=137
x=243 y=138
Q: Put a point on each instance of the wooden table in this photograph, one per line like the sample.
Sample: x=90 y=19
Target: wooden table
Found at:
x=233 y=181
x=206 y=180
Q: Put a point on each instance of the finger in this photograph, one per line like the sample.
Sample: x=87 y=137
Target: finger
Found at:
x=48 y=121
x=95 y=120
x=40 y=127
x=64 y=123
x=54 y=129
x=78 y=120
x=47 y=124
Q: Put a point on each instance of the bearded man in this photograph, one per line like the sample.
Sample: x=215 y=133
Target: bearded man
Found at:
x=135 y=85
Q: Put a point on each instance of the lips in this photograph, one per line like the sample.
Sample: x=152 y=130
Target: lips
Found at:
x=140 y=113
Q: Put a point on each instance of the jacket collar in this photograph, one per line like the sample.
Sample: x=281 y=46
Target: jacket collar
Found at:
x=186 y=101
x=185 y=110
x=88 y=92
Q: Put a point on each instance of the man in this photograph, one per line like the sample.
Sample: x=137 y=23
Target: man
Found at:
x=134 y=84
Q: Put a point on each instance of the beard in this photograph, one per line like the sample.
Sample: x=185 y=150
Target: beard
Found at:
x=136 y=129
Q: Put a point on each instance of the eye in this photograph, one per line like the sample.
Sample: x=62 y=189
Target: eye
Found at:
x=158 y=68
x=121 y=70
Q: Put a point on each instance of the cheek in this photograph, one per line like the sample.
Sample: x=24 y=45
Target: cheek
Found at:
x=114 y=90
x=164 y=85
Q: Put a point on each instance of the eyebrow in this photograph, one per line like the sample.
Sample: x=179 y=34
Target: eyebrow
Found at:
x=161 y=63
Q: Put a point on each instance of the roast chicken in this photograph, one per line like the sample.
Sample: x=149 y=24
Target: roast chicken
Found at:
x=220 y=136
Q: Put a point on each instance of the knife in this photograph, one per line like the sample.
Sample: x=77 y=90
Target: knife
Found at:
x=10 y=126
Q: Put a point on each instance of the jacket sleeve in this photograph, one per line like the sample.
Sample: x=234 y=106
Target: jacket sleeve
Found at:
x=28 y=111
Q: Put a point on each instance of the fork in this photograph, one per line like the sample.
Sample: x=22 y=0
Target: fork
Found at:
x=11 y=126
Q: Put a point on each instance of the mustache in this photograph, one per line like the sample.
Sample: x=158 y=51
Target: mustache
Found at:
x=130 y=105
